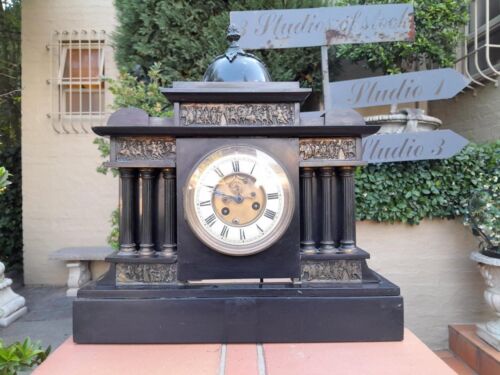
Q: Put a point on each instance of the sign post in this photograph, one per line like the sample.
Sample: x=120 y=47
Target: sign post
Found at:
x=398 y=88
x=291 y=28
x=438 y=144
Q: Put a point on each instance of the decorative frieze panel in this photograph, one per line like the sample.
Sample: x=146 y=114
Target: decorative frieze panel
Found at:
x=144 y=148
x=150 y=273
x=328 y=149
x=331 y=270
x=278 y=114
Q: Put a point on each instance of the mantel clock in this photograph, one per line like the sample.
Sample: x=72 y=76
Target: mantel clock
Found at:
x=237 y=220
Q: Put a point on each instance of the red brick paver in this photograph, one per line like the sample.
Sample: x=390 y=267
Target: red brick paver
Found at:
x=241 y=359
x=409 y=357
x=74 y=359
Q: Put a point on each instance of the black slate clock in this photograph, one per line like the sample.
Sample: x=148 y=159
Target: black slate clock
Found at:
x=238 y=200
x=239 y=184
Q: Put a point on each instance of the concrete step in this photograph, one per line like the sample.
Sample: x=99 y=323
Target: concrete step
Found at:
x=474 y=352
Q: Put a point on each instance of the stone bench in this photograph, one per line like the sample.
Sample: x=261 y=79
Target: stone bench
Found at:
x=77 y=260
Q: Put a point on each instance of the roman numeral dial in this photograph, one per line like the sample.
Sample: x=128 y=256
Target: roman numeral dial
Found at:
x=238 y=200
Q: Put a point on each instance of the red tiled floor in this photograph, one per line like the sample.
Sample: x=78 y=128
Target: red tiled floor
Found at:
x=70 y=358
x=409 y=357
x=241 y=359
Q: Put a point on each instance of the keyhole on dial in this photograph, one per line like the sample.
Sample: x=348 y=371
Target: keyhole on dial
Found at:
x=225 y=211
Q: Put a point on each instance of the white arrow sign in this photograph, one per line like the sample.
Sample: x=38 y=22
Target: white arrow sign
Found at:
x=438 y=144
x=398 y=88
x=289 y=28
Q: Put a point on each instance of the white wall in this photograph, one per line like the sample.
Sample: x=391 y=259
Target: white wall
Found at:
x=65 y=201
x=430 y=263
x=476 y=116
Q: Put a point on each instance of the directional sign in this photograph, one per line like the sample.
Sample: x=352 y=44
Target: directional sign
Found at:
x=288 y=28
x=398 y=88
x=438 y=144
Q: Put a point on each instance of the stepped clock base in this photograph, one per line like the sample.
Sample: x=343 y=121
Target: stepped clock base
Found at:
x=239 y=313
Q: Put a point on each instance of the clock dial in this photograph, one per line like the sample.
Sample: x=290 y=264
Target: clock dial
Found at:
x=238 y=200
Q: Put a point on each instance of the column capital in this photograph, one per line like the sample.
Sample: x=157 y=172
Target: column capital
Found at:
x=168 y=173
x=147 y=173
x=306 y=172
x=127 y=172
x=346 y=170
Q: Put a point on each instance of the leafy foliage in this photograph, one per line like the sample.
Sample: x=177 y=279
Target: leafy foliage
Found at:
x=104 y=149
x=129 y=91
x=114 y=235
x=484 y=213
x=411 y=191
x=4 y=179
x=21 y=356
x=11 y=243
x=185 y=36
x=11 y=240
x=439 y=27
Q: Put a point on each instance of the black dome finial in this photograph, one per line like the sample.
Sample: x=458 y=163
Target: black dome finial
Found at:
x=236 y=65
x=233 y=34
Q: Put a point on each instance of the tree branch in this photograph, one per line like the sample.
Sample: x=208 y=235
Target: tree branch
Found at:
x=10 y=93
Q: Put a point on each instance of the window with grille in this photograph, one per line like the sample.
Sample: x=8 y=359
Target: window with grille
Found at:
x=78 y=62
x=480 y=58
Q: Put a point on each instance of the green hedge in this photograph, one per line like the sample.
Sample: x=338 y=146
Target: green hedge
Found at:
x=11 y=235
x=411 y=191
x=185 y=36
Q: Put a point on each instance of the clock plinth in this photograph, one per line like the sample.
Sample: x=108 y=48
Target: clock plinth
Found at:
x=237 y=224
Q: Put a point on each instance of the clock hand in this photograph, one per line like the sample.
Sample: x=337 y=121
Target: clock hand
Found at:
x=237 y=198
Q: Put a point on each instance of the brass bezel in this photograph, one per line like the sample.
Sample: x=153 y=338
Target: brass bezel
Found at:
x=244 y=249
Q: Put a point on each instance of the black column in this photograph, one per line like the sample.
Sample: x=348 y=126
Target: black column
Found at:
x=326 y=243
x=348 y=237
x=336 y=230
x=307 y=244
x=127 y=179
x=146 y=212
x=169 y=239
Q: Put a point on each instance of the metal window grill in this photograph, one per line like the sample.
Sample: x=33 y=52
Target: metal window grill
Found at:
x=480 y=53
x=78 y=84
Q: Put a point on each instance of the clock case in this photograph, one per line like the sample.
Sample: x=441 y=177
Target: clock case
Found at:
x=195 y=260
x=145 y=298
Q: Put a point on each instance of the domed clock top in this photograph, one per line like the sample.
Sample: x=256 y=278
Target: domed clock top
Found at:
x=236 y=65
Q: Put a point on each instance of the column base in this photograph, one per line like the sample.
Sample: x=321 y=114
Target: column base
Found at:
x=327 y=248
x=308 y=248
x=146 y=251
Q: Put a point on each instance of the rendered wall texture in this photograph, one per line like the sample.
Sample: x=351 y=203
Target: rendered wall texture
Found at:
x=476 y=117
x=430 y=263
x=65 y=201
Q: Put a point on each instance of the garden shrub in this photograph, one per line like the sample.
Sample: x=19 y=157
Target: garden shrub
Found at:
x=21 y=356
x=411 y=191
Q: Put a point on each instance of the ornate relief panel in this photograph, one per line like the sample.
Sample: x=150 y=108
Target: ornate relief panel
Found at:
x=328 y=149
x=144 y=148
x=152 y=273
x=237 y=114
x=331 y=270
